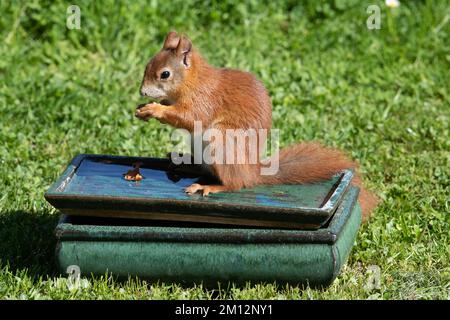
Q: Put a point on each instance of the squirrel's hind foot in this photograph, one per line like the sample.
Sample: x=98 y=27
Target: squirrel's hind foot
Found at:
x=204 y=189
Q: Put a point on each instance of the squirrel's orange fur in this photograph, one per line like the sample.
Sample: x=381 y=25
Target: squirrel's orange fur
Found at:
x=221 y=98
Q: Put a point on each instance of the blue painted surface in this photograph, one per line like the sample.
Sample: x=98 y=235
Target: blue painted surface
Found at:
x=105 y=178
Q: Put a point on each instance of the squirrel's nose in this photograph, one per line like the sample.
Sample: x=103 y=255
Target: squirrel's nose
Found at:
x=143 y=90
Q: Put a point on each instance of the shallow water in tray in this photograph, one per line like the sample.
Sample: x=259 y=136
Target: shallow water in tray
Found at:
x=105 y=178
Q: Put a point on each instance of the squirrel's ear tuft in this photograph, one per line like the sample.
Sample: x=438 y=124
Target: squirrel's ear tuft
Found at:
x=184 y=49
x=172 y=40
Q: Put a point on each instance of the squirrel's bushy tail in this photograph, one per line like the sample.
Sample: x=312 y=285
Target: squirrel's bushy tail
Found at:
x=311 y=162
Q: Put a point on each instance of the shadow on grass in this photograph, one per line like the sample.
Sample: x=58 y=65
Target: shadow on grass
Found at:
x=27 y=242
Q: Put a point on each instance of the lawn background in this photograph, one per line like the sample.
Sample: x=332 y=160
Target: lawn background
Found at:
x=381 y=95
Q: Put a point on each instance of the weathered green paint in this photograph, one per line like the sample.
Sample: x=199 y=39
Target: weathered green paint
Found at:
x=209 y=255
x=94 y=185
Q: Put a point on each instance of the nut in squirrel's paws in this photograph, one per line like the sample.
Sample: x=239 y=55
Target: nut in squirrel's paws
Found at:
x=149 y=110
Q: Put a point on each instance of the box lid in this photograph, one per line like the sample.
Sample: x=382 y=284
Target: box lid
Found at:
x=93 y=185
x=81 y=228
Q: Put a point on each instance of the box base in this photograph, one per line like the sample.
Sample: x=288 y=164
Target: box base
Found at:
x=189 y=255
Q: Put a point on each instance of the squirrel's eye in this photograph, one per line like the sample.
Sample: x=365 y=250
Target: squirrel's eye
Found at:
x=165 y=74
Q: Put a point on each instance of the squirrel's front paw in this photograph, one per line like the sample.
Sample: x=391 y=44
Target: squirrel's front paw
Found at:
x=150 y=110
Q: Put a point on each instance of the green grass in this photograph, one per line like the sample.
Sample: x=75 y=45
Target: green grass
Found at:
x=381 y=95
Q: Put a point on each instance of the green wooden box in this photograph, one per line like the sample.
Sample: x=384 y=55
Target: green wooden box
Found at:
x=118 y=232
x=93 y=185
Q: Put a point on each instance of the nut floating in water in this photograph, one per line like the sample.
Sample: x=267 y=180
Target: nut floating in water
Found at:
x=134 y=174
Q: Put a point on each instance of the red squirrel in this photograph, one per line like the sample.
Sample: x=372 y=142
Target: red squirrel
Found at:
x=190 y=89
